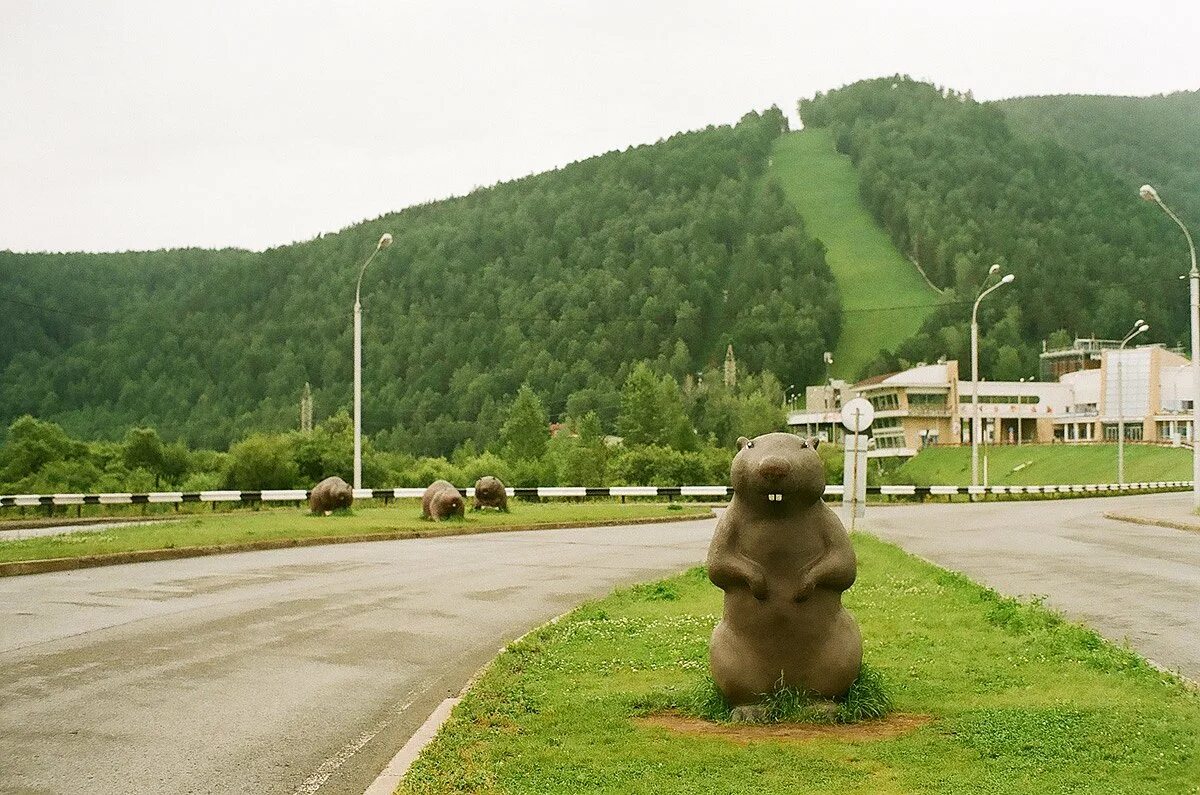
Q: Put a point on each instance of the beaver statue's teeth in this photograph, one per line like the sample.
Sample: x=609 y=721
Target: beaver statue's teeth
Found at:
x=775 y=497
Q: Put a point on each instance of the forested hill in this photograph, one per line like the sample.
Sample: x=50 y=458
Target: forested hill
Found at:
x=1141 y=139
x=667 y=252
x=959 y=186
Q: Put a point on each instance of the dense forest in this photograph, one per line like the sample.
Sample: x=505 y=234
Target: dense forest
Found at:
x=958 y=188
x=1140 y=139
x=665 y=253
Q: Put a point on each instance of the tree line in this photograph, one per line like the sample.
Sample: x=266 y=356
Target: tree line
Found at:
x=664 y=433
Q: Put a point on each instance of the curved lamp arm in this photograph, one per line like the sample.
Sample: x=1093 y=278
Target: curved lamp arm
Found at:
x=975 y=309
x=384 y=241
x=1151 y=195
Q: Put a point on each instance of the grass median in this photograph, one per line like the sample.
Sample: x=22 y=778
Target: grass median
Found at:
x=245 y=528
x=990 y=695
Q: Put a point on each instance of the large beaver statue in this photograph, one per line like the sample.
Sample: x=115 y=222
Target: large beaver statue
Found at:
x=441 y=500
x=329 y=495
x=783 y=559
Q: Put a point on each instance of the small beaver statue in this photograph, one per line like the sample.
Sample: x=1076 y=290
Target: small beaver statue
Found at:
x=441 y=500
x=330 y=495
x=490 y=493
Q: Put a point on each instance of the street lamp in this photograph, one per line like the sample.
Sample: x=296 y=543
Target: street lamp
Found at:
x=1139 y=327
x=976 y=424
x=1021 y=402
x=1151 y=195
x=384 y=242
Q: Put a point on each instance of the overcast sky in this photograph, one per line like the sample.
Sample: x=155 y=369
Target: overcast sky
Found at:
x=143 y=124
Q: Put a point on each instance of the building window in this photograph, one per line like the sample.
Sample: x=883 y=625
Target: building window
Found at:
x=1133 y=432
x=926 y=401
x=888 y=442
x=886 y=402
x=1013 y=400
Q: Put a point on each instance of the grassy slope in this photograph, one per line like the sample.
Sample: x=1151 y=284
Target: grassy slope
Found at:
x=246 y=526
x=870 y=272
x=1020 y=701
x=1059 y=463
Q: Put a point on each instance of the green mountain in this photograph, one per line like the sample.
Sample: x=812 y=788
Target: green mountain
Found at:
x=959 y=185
x=562 y=280
x=665 y=253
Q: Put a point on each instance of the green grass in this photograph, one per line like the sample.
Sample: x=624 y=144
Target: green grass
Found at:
x=871 y=274
x=1019 y=700
x=243 y=527
x=1044 y=464
x=868 y=698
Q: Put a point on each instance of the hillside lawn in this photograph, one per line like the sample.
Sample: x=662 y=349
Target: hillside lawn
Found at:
x=1045 y=464
x=884 y=296
x=990 y=696
x=248 y=527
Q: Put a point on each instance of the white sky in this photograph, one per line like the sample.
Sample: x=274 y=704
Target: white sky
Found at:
x=157 y=123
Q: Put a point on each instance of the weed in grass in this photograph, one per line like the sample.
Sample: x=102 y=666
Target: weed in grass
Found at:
x=868 y=699
x=656 y=592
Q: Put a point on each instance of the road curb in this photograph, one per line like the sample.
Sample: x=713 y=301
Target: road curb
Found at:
x=1192 y=527
x=389 y=779
x=43 y=566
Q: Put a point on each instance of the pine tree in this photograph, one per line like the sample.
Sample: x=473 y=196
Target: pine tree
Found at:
x=527 y=428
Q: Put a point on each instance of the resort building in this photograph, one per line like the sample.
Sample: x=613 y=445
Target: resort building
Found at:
x=930 y=404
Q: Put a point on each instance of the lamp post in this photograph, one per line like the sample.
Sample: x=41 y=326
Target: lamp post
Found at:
x=1139 y=327
x=384 y=242
x=976 y=423
x=1151 y=195
x=1020 y=404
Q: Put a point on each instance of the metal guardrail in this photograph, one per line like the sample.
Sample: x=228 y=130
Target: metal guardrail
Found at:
x=299 y=495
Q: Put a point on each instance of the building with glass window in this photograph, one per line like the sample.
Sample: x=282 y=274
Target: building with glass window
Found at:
x=928 y=404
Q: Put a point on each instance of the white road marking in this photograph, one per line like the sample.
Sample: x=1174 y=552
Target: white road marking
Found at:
x=330 y=766
x=389 y=779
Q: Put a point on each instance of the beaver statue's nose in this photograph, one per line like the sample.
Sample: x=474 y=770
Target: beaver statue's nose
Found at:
x=774 y=467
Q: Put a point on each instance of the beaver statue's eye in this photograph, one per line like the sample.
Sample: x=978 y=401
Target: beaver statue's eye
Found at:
x=749 y=444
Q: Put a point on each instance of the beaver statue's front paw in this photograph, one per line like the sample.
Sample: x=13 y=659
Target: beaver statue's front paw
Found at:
x=758 y=587
x=804 y=589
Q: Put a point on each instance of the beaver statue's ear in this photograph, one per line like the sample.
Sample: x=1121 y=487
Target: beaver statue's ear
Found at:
x=742 y=442
x=813 y=442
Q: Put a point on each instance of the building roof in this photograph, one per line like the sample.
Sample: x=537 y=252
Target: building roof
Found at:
x=922 y=375
x=873 y=380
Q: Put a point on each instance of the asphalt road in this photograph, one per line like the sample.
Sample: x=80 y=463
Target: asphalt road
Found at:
x=305 y=670
x=285 y=671
x=1130 y=582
